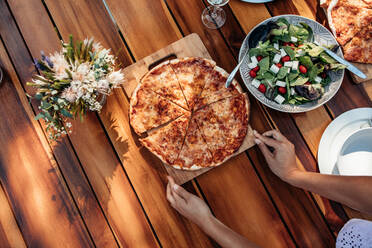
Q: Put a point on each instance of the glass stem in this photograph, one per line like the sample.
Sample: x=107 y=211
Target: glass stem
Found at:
x=214 y=12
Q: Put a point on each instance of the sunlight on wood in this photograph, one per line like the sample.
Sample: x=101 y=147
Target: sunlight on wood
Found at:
x=9 y=224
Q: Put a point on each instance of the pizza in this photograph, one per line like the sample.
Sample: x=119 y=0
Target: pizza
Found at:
x=190 y=73
x=215 y=90
x=350 y=21
x=203 y=128
x=149 y=110
x=195 y=153
x=359 y=49
x=223 y=125
x=166 y=142
x=162 y=80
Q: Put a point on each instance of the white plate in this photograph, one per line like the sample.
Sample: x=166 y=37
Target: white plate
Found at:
x=335 y=135
x=322 y=36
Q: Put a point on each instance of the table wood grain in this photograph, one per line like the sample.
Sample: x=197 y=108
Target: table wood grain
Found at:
x=98 y=187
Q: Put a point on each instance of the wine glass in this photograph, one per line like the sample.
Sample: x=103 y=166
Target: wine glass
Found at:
x=214 y=16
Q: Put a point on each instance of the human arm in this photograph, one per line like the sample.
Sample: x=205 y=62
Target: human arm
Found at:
x=354 y=191
x=196 y=210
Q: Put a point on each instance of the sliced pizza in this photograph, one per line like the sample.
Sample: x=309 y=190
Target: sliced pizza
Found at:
x=162 y=79
x=149 y=110
x=214 y=89
x=190 y=73
x=166 y=142
x=347 y=18
x=195 y=153
x=359 y=49
x=224 y=125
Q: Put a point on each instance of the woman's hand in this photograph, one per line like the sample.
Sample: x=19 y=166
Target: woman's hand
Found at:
x=282 y=161
x=187 y=204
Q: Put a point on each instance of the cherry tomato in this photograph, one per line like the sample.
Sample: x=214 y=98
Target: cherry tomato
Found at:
x=279 y=65
x=302 y=69
x=259 y=58
x=252 y=73
x=286 y=58
x=256 y=69
x=291 y=44
x=282 y=90
x=285 y=43
x=262 y=88
x=323 y=75
x=307 y=83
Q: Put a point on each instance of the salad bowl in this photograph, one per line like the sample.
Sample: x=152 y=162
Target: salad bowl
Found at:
x=322 y=36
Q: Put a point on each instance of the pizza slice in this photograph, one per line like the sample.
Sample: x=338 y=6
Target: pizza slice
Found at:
x=149 y=110
x=347 y=18
x=214 y=89
x=162 y=79
x=166 y=142
x=224 y=125
x=359 y=49
x=190 y=73
x=195 y=153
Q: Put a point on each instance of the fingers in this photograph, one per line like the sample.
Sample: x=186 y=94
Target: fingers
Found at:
x=275 y=134
x=181 y=192
x=170 y=197
x=178 y=199
x=171 y=181
x=268 y=141
x=264 y=149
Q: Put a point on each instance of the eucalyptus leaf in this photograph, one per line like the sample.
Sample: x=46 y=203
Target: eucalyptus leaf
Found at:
x=39 y=116
x=66 y=113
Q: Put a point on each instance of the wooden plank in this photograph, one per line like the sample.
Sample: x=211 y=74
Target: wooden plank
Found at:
x=104 y=170
x=37 y=192
x=10 y=235
x=281 y=192
x=154 y=17
x=190 y=46
x=171 y=229
x=275 y=237
x=368 y=88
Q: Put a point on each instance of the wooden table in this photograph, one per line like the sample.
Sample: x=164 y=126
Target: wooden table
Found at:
x=98 y=187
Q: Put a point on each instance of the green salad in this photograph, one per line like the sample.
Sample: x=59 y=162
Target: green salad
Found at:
x=288 y=67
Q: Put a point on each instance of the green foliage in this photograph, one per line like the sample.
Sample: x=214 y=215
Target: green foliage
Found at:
x=306 y=61
x=299 y=81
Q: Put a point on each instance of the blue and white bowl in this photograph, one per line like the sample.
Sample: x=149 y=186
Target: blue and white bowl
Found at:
x=324 y=37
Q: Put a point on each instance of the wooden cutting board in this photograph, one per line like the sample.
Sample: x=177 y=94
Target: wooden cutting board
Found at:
x=366 y=69
x=367 y=82
x=189 y=46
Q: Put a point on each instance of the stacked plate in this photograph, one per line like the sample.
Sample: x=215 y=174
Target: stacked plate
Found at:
x=345 y=147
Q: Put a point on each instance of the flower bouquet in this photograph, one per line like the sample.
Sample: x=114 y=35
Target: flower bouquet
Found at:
x=72 y=81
